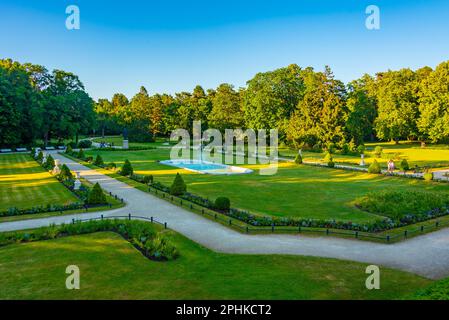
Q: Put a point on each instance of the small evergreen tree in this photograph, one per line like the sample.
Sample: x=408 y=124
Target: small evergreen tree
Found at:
x=127 y=169
x=96 y=195
x=69 y=149
x=66 y=174
x=98 y=161
x=298 y=159
x=40 y=156
x=178 y=187
x=374 y=167
x=148 y=179
x=50 y=163
x=404 y=165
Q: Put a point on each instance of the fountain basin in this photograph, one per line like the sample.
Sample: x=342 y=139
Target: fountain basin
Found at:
x=206 y=167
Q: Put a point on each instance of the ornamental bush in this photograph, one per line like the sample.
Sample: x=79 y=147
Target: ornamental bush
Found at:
x=65 y=174
x=98 y=161
x=96 y=195
x=84 y=144
x=111 y=166
x=404 y=165
x=50 y=163
x=178 y=187
x=127 y=169
x=361 y=149
x=298 y=159
x=428 y=176
x=378 y=151
x=40 y=156
x=374 y=167
x=69 y=149
x=222 y=204
x=331 y=164
x=148 y=179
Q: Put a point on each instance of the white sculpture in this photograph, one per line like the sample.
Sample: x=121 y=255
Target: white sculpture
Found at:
x=77 y=183
x=362 y=160
x=56 y=169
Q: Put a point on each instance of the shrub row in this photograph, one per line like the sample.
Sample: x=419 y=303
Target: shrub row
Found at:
x=141 y=234
x=42 y=209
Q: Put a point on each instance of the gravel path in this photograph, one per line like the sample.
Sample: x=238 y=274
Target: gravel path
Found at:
x=426 y=255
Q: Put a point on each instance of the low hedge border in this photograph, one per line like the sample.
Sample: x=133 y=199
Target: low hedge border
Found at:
x=142 y=235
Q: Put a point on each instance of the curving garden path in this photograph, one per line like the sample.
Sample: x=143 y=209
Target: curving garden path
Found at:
x=427 y=255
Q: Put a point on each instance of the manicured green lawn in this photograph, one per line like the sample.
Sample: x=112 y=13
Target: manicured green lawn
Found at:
x=111 y=268
x=301 y=191
x=25 y=184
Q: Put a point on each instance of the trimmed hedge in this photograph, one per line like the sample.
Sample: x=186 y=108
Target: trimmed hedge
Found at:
x=374 y=167
x=142 y=235
x=222 y=204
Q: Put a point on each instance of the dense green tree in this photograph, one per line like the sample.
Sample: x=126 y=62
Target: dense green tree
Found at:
x=434 y=105
x=226 y=108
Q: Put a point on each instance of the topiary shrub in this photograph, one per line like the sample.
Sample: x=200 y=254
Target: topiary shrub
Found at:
x=148 y=179
x=222 y=204
x=69 y=149
x=404 y=165
x=345 y=149
x=81 y=154
x=111 y=166
x=84 y=144
x=178 y=187
x=331 y=164
x=98 y=161
x=327 y=158
x=127 y=169
x=50 y=163
x=378 y=151
x=374 y=167
x=65 y=173
x=96 y=195
x=361 y=149
x=298 y=159
x=40 y=157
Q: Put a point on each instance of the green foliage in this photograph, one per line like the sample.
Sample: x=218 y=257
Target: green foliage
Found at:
x=436 y=291
x=222 y=204
x=331 y=164
x=127 y=169
x=81 y=154
x=40 y=156
x=178 y=187
x=404 y=165
x=141 y=234
x=399 y=205
x=84 y=144
x=345 y=149
x=148 y=179
x=50 y=163
x=327 y=157
x=378 y=151
x=361 y=149
x=374 y=167
x=111 y=166
x=69 y=149
x=65 y=174
x=298 y=159
x=99 y=161
x=96 y=195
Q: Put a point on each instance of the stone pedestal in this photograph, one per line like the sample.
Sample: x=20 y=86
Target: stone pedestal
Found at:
x=125 y=144
x=362 y=160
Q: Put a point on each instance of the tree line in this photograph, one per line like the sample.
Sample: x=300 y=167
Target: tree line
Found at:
x=309 y=108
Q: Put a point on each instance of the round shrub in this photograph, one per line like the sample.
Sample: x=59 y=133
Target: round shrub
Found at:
x=331 y=164
x=222 y=203
x=96 y=195
x=84 y=144
x=378 y=151
x=148 y=179
x=178 y=187
x=111 y=165
x=374 y=167
x=127 y=169
x=361 y=149
x=345 y=149
x=298 y=159
x=98 y=161
x=404 y=165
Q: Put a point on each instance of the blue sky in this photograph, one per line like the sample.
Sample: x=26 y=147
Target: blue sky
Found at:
x=171 y=46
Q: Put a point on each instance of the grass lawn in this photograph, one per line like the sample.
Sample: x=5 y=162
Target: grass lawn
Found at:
x=111 y=268
x=301 y=191
x=436 y=156
x=25 y=184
